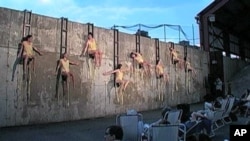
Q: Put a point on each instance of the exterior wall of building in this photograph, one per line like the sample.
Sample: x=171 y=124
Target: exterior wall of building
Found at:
x=94 y=95
x=235 y=72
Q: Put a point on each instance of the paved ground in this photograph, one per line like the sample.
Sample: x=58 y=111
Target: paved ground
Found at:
x=86 y=130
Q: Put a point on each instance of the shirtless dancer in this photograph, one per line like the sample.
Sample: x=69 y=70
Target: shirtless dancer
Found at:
x=64 y=64
x=92 y=50
x=119 y=73
x=142 y=63
x=26 y=52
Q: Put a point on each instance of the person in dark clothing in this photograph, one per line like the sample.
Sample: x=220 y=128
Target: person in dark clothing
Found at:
x=113 y=133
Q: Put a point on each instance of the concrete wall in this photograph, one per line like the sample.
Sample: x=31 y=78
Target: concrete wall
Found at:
x=232 y=69
x=94 y=94
x=240 y=82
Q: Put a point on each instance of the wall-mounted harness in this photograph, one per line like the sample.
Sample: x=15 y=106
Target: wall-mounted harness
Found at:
x=116 y=51
x=63 y=49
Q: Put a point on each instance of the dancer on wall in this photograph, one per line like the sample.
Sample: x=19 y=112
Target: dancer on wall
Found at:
x=19 y=59
x=174 y=56
x=142 y=63
x=26 y=52
x=119 y=74
x=189 y=68
x=64 y=64
x=159 y=70
x=162 y=77
x=92 y=50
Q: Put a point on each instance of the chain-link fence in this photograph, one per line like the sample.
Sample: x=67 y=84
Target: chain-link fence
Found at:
x=164 y=32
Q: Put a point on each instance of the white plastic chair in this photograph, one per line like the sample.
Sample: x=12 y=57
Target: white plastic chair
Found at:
x=129 y=124
x=173 y=116
x=225 y=117
x=217 y=115
x=168 y=132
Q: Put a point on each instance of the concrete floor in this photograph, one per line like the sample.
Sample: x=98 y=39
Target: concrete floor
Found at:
x=86 y=130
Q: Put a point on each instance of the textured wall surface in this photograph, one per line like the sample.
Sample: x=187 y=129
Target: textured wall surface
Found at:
x=234 y=76
x=94 y=95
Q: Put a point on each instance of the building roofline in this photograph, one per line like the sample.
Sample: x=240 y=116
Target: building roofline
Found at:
x=209 y=7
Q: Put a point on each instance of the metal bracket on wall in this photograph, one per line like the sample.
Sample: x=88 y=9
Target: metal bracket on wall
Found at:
x=157 y=49
x=63 y=49
x=27 y=22
x=176 y=74
x=64 y=36
x=91 y=28
x=137 y=48
x=138 y=42
x=26 y=31
x=91 y=66
x=186 y=71
x=26 y=28
x=157 y=55
x=116 y=50
x=175 y=67
x=157 y=58
x=185 y=57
